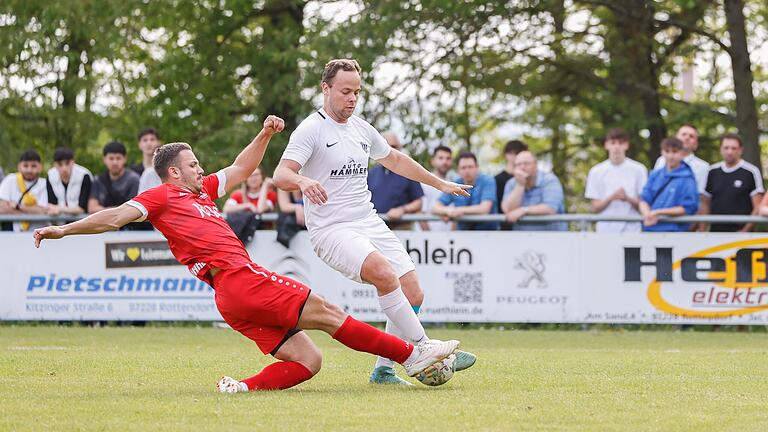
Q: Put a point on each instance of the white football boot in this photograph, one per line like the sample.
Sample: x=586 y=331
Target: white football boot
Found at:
x=230 y=385
x=430 y=352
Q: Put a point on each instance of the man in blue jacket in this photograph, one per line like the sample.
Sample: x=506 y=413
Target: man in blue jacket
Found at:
x=670 y=190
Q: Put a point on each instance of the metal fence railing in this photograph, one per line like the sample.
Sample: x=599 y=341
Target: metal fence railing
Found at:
x=580 y=221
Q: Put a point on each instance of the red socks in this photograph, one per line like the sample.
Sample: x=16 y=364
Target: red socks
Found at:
x=355 y=334
x=363 y=337
x=279 y=376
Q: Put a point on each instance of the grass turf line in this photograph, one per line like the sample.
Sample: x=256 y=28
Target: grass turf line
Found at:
x=64 y=378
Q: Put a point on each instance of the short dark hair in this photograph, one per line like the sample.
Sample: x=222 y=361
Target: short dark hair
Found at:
x=166 y=156
x=515 y=146
x=733 y=136
x=441 y=148
x=30 y=156
x=148 y=131
x=334 y=66
x=671 y=143
x=114 y=147
x=63 y=154
x=617 y=134
x=468 y=155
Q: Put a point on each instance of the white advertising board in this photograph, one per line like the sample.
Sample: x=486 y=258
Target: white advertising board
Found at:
x=466 y=276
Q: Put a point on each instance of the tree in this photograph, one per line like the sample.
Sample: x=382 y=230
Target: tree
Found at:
x=746 y=108
x=46 y=73
x=203 y=72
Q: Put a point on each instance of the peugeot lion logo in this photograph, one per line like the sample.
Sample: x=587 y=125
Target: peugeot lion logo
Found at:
x=532 y=263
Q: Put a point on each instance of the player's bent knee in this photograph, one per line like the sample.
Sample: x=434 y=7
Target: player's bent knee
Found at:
x=384 y=279
x=377 y=271
x=300 y=348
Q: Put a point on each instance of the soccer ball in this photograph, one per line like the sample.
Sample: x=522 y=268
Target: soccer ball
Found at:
x=439 y=373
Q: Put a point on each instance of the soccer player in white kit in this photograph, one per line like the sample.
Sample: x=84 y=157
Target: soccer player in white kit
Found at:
x=327 y=159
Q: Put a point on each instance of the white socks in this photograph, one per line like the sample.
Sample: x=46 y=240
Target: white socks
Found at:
x=400 y=314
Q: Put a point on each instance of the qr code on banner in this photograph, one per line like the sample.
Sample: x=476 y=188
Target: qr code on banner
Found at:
x=467 y=287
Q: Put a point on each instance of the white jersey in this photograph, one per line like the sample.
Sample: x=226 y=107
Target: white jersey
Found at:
x=336 y=155
x=604 y=179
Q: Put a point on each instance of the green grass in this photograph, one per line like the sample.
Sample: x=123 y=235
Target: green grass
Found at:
x=162 y=378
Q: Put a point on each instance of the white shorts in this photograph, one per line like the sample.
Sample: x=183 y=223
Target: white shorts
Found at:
x=345 y=246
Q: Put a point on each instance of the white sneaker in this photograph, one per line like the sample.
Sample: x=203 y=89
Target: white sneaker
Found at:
x=230 y=385
x=430 y=352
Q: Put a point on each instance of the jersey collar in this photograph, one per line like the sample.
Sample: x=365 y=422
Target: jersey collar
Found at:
x=738 y=165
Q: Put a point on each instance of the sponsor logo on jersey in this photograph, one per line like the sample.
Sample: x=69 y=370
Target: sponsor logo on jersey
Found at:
x=211 y=211
x=329 y=145
x=196 y=267
x=351 y=169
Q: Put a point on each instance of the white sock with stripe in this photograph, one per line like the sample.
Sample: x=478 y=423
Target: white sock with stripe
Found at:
x=397 y=309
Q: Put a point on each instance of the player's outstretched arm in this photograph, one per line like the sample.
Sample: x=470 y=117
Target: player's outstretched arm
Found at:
x=287 y=178
x=106 y=220
x=402 y=164
x=249 y=159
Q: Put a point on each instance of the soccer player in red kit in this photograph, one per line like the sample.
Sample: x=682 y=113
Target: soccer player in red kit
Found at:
x=266 y=307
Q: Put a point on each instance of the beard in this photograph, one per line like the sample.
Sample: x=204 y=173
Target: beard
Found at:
x=193 y=185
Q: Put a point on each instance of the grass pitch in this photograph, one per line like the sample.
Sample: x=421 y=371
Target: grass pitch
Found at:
x=163 y=378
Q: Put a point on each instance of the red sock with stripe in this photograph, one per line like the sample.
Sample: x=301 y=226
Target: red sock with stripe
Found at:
x=279 y=376
x=363 y=337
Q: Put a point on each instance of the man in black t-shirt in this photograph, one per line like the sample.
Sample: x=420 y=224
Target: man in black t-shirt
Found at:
x=511 y=150
x=116 y=184
x=734 y=186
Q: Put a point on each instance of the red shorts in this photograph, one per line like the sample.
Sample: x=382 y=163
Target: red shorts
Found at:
x=262 y=305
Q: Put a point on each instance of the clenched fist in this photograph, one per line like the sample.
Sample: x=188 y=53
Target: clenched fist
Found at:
x=273 y=124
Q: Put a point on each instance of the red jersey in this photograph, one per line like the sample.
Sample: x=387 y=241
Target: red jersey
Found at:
x=237 y=196
x=197 y=233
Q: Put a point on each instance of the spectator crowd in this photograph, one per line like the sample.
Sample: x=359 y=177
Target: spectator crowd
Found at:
x=679 y=184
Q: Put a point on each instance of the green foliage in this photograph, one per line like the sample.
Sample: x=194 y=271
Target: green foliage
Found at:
x=563 y=73
x=556 y=73
x=202 y=72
